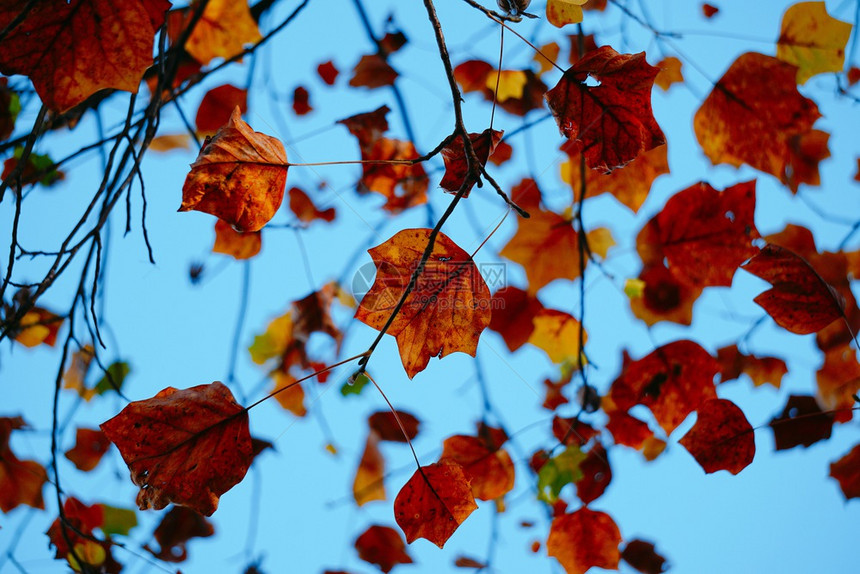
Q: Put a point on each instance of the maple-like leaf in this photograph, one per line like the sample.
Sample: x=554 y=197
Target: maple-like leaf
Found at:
x=846 y=470
x=760 y=369
x=489 y=470
x=383 y=546
x=584 y=539
x=211 y=38
x=805 y=152
x=513 y=312
x=174 y=531
x=507 y=84
x=560 y=13
x=90 y=446
x=239 y=176
x=671 y=381
x=217 y=106
x=800 y=300
x=304 y=207
x=454 y=156
x=403 y=185
x=670 y=73
x=702 y=233
x=752 y=113
x=614 y=119
x=802 y=422
x=630 y=185
x=722 y=438
x=664 y=297
x=558 y=334
x=21 y=481
x=237 y=244
x=444 y=313
x=628 y=430
x=811 y=40
x=643 y=557
x=185 y=446
x=368 y=484
x=70 y=50
x=434 y=502
x=546 y=57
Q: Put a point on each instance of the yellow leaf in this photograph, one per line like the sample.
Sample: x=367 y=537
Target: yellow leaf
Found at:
x=634 y=288
x=557 y=333
x=511 y=84
x=548 y=54
x=812 y=40
x=563 y=12
x=223 y=30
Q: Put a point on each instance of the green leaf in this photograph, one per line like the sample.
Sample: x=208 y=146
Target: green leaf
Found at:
x=117 y=520
x=558 y=472
x=116 y=373
x=356 y=386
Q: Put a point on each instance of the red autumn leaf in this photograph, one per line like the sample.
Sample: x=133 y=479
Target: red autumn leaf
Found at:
x=752 y=113
x=312 y=314
x=434 y=502
x=664 y=297
x=572 y=431
x=328 y=72
x=466 y=562
x=444 y=313
x=392 y=41
x=211 y=38
x=502 y=153
x=554 y=397
x=385 y=424
x=760 y=369
x=237 y=244
x=372 y=71
x=672 y=381
x=472 y=75
x=490 y=471
x=596 y=474
x=9 y=103
x=38 y=326
x=239 y=176
x=301 y=101
x=185 y=446
x=839 y=381
x=628 y=430
x=41 y=45
x=584 y=539
x=709 y=11
x=454 y=157
x=853 y=75
x=217 y=106
x=613 y=120
x=304 y=208
x=846 y=470
x=175 y=530
x=805 y=152
x=704 y=234
x=589 y=44
x=77 y=533
x=403 y=185
x=513 y=311
x=21 y=481
x=383 y=546
x=800 y=300
x=802 y=422
x=367 y=127
x=722 y=438
x=369 y=484
x=90 y=446
x=643 y=557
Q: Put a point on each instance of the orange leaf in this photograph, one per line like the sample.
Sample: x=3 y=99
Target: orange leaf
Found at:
x=235 y=243
x=71 y=50
x=613 y=120
x=403 y=185
x=367 y=127
x=304 y=208
x=704 y=234
x=434 y=502
x=21 y=481
x=454 y=157
x=385 y=424
x=90 y=446
x=239 y=176
x=489 y=470
x=800 y=300
x=217 y=106
x=846 y=470
x=382 y=546
x=38 y=326
x=368 y=484
x=558 y=334
x=722 y=438
x=760 y=369
x=805 y=152
x=583 y=540
x=672 y=381
x=642 y=556
x=670 y=73
x=513 y=312
x=372 y=71
x=444 y=313
x=802 y=422
x=839 y=381
x=175 y=530
x=211 y=38
x=185 y=446
x=292 y=398
x=752 y=113
x=664 y=297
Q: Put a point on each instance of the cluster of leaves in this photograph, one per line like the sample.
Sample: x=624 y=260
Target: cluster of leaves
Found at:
x=188 y=447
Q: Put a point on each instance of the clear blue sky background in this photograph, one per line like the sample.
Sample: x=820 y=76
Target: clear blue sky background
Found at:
x=294 y=510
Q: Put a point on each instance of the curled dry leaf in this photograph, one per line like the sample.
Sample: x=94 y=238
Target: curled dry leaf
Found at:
x=584 y=539
x=434 y=502
x=444 y=313
x=239 y=176
x=722 y=438
x=383 y=546
x=185 y=446
x=111 y=39
x=613 y=120
x=800 y=300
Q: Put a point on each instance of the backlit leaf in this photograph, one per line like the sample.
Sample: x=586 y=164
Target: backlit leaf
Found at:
x=211 y=38
x=21 y=481
x=513 y=312
x=383 y=546
x=558 y=334
x=434 y=502
x=846 y=470
x=489 y=470
x=185 y=446
x=372 y=71
x=760 y=369
x=444 y=313
x=839 y=381
x=805 y=152
x=301 y=101
x=811 y=40
x=239 y=176
x=90 y=446
x=670 y=73
x=174 y=531
x=584 y=539
x=385 y=424
x=559 y=471
x=664 y=297
x=560 y=13
x=722 y=438
x=454 y=156
x=596 y=474
x=235 y=243
x=217 y=106
x=328 y=72
x=38 y=326
x=403 y=185
x=368 y=484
